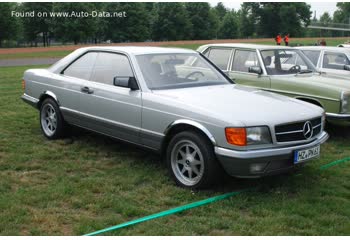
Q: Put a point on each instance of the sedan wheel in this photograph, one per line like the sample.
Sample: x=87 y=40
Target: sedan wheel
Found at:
x=51 y=120
x=191 y=160
x=187 y=162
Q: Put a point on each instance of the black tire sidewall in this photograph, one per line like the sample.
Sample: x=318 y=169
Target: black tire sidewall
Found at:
x=60 y=122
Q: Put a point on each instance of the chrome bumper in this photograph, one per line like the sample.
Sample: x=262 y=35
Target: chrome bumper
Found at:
x=335 y=116
x=30 y=100
x=257 y=163
x=269 y=152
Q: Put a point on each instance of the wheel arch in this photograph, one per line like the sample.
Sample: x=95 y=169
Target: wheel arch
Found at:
x=185 y=125
x=47 y=94
x=311 y=100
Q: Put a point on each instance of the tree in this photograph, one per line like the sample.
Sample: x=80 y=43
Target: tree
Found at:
x=134 y=27
x=74 y=28
x=247 y=20
x=325 y=20
x=33 y=26
x=229 y=26
x=287 y=17
x=171 y=22
x=220 y=10
x=202 y=19
x=8 y=24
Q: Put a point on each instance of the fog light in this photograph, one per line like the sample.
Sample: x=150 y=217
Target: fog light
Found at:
x=257 y=167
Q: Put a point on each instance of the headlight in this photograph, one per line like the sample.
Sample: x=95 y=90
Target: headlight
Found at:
x=344 y=102
x=248 y=136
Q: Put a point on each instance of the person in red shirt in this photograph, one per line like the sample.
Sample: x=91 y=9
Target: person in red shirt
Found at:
x=278 y=39
x=286 y=39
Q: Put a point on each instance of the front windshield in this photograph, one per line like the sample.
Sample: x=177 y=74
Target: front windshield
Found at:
x=178 y=70
x=286 y=61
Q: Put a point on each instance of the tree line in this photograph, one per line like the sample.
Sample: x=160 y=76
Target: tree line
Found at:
x=162 y=21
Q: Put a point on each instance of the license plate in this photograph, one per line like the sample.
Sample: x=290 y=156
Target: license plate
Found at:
x=305 y=154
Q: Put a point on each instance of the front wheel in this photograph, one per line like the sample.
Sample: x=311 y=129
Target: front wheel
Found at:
x=51 y=120
x=191 y=160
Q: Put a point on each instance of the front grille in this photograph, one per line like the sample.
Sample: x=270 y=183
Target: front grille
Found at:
x=295 y=131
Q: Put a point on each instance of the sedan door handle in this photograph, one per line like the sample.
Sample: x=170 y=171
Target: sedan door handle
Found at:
x=87 y=90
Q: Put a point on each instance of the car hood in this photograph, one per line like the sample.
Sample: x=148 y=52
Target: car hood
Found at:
x=240 y=105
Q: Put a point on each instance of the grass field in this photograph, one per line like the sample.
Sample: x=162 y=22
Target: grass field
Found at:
x=79 y=185
x=62 y=53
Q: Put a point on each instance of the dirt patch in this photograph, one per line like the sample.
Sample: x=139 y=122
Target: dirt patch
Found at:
x=73 y=47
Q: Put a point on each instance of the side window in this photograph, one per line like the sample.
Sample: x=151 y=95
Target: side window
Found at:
x=220 y=57
x=82 y=67
x=243 y=59
x=333 y=60
x=312 y=56
x=111 y=65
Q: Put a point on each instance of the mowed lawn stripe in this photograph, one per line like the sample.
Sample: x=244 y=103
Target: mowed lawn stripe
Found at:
x=74 y=187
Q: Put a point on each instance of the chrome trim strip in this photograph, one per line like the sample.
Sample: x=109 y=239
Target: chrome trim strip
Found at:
x=30 y=100
x=269 y=152
x=296 y=131
x=282 y=133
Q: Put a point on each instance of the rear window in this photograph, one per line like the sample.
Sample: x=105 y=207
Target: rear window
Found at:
x=220 y=57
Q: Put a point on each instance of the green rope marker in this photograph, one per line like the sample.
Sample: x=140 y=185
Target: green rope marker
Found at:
x=331 y=164
x=192 y=205
x=168 y=212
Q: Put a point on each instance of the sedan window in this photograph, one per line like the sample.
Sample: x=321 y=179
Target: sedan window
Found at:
x=111 y=65
x=82 y=67
x=244 y=59
x=178 y=70
x=220 y=57
x=283 y=62
x=312 y=55
x=334 y=60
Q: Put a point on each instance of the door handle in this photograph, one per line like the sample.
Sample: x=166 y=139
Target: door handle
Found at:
x=87 y=90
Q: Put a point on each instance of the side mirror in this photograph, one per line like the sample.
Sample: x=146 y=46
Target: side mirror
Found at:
x=255 y=69
x=126 y=82
x=347 y=67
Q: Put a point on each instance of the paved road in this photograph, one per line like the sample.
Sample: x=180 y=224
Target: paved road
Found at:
x=27 y=61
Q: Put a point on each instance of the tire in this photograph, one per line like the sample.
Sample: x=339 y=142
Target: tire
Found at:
x=191 y=161
x=51 y=120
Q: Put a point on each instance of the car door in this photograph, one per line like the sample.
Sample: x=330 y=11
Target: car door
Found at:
x=110 y=109
x=239 y=69
x=70 y=81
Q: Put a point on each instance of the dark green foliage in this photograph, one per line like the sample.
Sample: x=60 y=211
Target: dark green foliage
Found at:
x=171 y=22
x=164 y=21
x=229 y=26
x=203 y=21
x=8 y=25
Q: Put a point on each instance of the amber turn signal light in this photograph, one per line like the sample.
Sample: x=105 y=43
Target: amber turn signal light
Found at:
x=23 y=84
x=236 y=136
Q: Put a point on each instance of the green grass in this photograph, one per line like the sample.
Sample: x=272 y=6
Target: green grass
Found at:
x=73 y=188
x=62 y=53
x=48 y=54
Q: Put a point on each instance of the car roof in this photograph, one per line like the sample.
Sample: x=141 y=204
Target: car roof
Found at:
x=247 y=45
x=139 y=50
x=338 y=49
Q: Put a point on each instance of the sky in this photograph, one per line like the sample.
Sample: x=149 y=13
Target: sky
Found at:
x=319 y=7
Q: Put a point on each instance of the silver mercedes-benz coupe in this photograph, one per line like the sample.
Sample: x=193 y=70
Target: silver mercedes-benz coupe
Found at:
x=178 y=103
